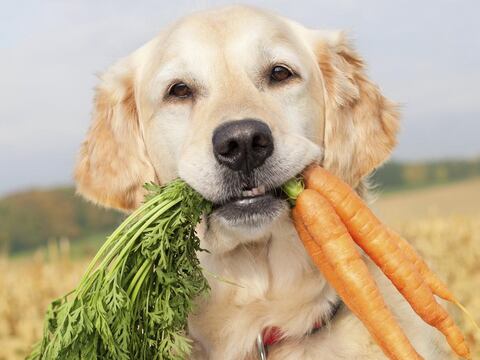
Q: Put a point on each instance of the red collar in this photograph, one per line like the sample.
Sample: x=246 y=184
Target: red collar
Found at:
x=272 y=335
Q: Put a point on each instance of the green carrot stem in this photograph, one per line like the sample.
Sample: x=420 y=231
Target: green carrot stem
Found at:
x=110 y=239
x=138 y=274
x=293 y=188
x=133 y=239
x=113 y=253
x=87 y=280
x=141 y=280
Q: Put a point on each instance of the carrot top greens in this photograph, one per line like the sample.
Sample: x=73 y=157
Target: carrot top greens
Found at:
x=135 y=297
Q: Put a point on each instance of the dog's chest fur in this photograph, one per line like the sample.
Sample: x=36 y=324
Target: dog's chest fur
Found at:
x=265 y=272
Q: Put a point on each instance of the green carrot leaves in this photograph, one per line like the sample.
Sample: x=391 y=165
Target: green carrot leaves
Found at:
x=135 y=297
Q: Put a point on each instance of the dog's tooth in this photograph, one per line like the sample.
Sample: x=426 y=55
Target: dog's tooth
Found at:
x=256 y=191
x=247 y=193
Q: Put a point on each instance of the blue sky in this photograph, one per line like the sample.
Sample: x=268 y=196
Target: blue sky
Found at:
x=424 y=55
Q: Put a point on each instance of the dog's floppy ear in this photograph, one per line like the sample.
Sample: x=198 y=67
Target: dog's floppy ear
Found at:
x=113 y=164
x=361 y=124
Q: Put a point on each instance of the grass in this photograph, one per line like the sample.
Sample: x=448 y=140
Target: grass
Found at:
x=28 y=285
x=454 y=199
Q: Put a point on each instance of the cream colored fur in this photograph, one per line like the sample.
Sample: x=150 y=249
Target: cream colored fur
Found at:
x=331 y=114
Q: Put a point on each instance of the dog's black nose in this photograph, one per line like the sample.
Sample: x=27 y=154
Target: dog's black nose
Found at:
x=242 y=145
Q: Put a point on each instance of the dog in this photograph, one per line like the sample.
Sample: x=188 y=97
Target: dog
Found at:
x=236 y=101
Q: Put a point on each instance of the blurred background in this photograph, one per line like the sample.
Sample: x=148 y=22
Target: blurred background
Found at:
x=424 y=55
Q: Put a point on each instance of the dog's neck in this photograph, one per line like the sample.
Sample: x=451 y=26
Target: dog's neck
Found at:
x=260 y=284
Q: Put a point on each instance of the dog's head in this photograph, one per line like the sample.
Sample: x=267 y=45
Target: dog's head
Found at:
x=236 y=102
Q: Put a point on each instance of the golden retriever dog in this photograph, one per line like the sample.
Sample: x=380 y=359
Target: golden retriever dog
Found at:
x=236 y=101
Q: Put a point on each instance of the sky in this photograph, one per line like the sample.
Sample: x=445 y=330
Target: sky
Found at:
x=424 y=54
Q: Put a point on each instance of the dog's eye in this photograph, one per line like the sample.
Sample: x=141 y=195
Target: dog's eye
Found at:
x=280 y=73
x=180 y=90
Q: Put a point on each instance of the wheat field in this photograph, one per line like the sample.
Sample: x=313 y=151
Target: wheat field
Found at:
x=448 y=237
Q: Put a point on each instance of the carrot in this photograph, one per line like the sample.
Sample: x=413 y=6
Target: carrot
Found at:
x=337 y=192
x=437 y=286
x=317 y=256
x=402 y=268
x=334 y=252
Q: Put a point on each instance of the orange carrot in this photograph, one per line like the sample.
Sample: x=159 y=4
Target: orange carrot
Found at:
x=376 y=240
x=438 y=287
x=334 y=252
x=337 y=192
x=317 y=256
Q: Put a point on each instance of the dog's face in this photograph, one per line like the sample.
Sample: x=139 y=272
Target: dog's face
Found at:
x=236 y=102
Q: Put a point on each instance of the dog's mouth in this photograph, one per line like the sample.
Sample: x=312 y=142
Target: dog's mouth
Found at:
x=252 y=205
